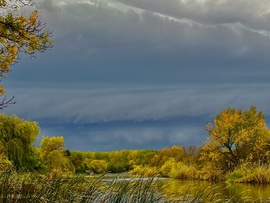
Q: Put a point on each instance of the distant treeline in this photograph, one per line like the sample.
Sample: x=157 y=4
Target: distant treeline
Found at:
x=237 y=149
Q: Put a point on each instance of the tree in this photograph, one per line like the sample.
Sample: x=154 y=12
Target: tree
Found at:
x=77 y=160
x=19 y=34
x=49 y=144
x=119 y=161
x=16 y=139
x=237 y=136
x=176 y=152
x=52 y=151
x=96 y=166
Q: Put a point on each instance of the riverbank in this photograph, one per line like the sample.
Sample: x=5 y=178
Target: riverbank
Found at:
x=33 y=187
x=245 y=173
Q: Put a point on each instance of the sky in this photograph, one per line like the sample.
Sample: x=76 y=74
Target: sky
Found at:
x=137 y=74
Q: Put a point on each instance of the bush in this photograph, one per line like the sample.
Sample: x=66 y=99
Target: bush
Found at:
x=260 y=175
x=209 y=173
x=144 y=171
x=167 y=167
x=235 y=175
x=98 y=166
x=5 y=164
x=179 y=170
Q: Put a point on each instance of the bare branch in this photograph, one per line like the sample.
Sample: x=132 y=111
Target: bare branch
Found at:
x=6 y=102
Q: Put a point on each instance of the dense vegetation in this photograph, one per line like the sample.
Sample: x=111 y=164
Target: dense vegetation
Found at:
x=237 y=150
x=30 y=187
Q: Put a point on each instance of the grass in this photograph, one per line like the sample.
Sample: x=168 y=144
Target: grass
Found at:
x=37 y=188
x=249 y=174
x=28 y=187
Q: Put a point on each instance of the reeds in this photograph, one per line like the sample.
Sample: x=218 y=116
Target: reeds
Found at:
x=37 y=188
x=28 y=187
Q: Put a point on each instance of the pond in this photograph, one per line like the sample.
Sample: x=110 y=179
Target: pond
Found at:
x=184 y=189
x=234 y=192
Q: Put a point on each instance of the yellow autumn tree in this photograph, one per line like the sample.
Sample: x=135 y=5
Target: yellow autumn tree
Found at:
x=19 y=34
x=52 y=152
x=235 y=137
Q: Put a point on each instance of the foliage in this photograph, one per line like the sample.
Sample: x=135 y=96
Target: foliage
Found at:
x=19 y=34
x=5 y=164
x=235 y=175
x=97 y=166
x=119 y=161
x=177 y=152
x=175 y=169
x=16 y=139
x=145 y=171
x=251 y=174
x=209 y=173
x=237 y=150
x=52 y=152
x=191 y=155
x=236 y=136
x=49 y=144
x=143 y=157
x=77 y=159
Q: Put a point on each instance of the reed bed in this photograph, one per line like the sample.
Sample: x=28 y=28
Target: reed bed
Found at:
x=28 y=187
x=37 y=188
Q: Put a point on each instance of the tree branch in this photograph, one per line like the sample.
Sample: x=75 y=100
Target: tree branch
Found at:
x=6 y=102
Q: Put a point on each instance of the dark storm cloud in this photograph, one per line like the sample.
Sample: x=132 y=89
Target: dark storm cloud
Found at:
x=149 y=32
x=139 y=137
x=81 y=105
x=101 y=119
x=117 y=61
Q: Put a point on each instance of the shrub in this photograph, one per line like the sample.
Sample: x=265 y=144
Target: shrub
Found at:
x=181 y=171
x=98 y=166
x=235 y=175
x=5 y=164
x=209 y=173
x=167 y=167
x=260 y=174
x=144 y=171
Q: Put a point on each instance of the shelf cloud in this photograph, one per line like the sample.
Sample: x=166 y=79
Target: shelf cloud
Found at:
x=168 y=67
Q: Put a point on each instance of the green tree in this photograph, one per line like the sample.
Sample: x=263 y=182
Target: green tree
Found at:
x=144 y=157
x=77 y=159
x=236 y=136
x=52 y=151
x=49 y=144
x=119 y=161
x=19 y=34
x=16 y=139
x=96 y=166
x=176 y=152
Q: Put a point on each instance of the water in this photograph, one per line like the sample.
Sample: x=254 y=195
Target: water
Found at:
x=184 y=189
x=234 y=192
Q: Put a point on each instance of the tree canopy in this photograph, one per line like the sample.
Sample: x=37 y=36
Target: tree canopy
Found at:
x=52 y=151
x=19 y=34
x=237 y=136
x=16 y=139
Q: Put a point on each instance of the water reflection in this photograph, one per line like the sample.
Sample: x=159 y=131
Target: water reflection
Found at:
x=178 y=189
x=212 y=192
